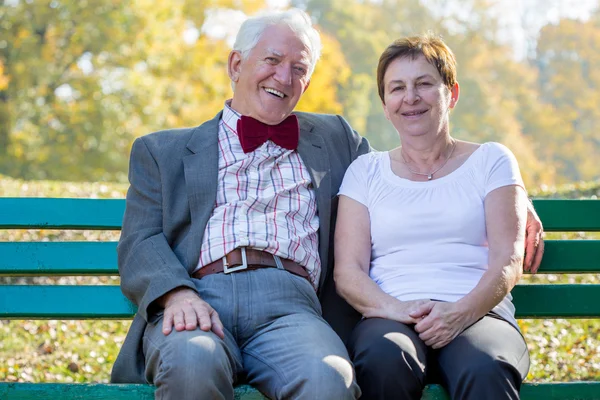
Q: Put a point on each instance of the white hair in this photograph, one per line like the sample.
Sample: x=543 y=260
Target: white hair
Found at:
x=297 y=20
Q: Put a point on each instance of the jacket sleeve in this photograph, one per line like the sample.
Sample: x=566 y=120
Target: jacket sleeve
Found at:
x=147 y=264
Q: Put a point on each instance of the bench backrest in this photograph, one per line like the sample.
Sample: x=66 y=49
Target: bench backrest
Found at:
x=106 y=301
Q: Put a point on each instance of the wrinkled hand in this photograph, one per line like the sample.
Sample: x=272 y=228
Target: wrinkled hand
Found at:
x=441 y=322
x=400 y=311
x=534 y=241
x=186 y=310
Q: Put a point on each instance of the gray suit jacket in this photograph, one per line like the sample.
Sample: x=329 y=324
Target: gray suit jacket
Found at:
x=173 y=176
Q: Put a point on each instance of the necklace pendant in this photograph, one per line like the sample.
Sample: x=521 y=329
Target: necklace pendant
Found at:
x=429 y=177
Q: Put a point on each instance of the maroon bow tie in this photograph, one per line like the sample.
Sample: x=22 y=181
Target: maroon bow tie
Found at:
x=253 y=133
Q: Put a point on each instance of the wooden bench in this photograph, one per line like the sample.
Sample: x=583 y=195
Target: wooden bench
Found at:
x=106 y=302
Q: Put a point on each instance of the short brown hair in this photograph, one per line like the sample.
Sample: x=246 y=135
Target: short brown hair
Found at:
x=436 y=52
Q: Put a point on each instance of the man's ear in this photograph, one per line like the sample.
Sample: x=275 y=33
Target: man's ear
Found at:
x=306 y=87
x=234 y=65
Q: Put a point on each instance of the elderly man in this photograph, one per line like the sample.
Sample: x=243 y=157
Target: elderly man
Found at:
x=224 y=232
x=226 y=241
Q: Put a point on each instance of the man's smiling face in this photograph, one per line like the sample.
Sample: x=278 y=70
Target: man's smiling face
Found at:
x=270 y=81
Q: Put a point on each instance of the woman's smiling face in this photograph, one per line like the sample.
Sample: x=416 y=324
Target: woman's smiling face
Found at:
x=417 y=101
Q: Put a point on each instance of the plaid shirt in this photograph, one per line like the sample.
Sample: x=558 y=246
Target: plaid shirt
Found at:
x=265 y=200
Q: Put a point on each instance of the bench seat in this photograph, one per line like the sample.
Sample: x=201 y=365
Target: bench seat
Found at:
x=32 y=301
x=97 y=391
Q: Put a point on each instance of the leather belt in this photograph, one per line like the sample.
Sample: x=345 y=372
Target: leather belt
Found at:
x=247 y=259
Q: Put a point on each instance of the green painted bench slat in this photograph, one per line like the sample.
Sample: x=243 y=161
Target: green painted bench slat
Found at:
x=74 y=391
x=65 y=302
x=536 y=391
x=561 y=391
x=100 y=391
x=58 y=258
x=95 y=391
x=569 y=215
x=100 y=258
x=61 y=213
x=435 y=392
x=557 y=301
x=558 y=215
x=571 y=256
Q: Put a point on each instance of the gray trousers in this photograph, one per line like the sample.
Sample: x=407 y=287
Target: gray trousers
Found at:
x=489 y=360
x=275 y=339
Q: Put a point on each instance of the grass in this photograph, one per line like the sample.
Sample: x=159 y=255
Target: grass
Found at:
x=84 y=351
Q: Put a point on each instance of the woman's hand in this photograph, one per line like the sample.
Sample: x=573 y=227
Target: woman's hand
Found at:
x=401 y=310
x=440 y=322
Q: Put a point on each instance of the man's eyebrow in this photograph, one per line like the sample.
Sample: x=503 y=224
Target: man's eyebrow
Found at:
x=275 y=52
x=305 y=61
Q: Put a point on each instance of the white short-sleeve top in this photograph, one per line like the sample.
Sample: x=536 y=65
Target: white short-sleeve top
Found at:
x=428 y=239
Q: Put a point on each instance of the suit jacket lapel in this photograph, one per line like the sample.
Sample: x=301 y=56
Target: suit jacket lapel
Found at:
x=313 y=152
x=201 y=169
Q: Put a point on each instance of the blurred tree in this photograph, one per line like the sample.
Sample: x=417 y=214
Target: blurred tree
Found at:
x=4 y=110
x=79 y=80
x=569 y=64
x=497 y=104
x=332 y=73
x=491 y=81
x=57 y=110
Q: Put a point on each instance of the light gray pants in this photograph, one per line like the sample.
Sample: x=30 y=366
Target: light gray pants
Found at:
x=275 y=338
x=489 y=360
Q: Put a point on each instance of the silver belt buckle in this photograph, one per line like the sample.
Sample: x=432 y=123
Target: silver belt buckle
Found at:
x=227 y=270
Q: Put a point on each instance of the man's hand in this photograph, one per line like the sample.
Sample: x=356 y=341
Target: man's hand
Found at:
x=186 y=310
x=534 y=241
x=440 y=322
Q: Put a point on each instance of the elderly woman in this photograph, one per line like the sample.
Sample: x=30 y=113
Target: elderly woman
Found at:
x=429 y=243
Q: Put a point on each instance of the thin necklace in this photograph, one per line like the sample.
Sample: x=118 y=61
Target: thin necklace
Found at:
x=429 y=175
